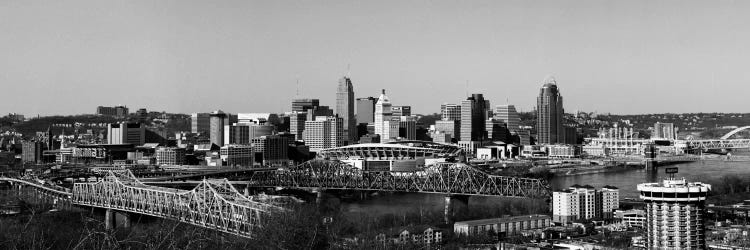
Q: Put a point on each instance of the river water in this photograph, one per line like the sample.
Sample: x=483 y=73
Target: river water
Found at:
x=625 y=180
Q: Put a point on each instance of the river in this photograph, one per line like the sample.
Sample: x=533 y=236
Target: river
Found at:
x=626 y=181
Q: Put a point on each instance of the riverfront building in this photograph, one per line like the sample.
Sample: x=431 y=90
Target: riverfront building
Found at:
x=236 y=155
x=549 y=114
x=675 y=211
x=126 y=133
x=584 y=203
x=170 y=156
x=506 y=225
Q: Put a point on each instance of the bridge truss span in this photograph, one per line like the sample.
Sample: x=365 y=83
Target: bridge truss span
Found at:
x=212 y=204
x=444 y=178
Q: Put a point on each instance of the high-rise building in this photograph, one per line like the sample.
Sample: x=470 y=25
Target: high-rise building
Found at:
x=216 y=134
x=508 y=114
x=118 y=111
x=324 y=133
x=675 y=211
x=473 y=117
x=243 y=133
x=297 y=124
x=398 y=111
x=302 y=105
x=126 y=133
x=32 y=152
x=366 y=110
x=583 y=203
x=274 y=149
x=200 y=123
x=170 y=156
x=407 y=128
x=345 y=108
x=450 y=112
x=549 y=114
x=384 y=119
x=451 y=127
x=663 y=131
x=258 y=118
x=236 y=155
x=497 y=130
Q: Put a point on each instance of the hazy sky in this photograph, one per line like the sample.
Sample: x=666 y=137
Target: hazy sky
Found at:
x=67 y=57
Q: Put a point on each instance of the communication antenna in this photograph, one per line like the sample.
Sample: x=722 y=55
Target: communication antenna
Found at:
x=467 y=88
x=298 y=87
x=348 y=70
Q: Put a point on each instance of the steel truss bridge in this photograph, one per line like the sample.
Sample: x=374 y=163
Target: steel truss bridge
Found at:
x=718 y=144
x=212 y=204
x=443 y=178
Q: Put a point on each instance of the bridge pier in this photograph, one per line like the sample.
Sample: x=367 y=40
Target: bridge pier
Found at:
x=455 y=205
x=319 y=196
x=111 y=218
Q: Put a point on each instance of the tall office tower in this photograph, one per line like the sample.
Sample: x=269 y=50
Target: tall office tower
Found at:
x=126 y=133
x=674 y=214
x=297 y=124
x=399 y=111
x=450 y=112
x=324 y=133
x=473 y=117
x=200 y=123
x=318 y=111
x=549 y=114
x=583 y=203
x=216 y=134
x=301 y=105
x=450 y=127
x=663 y=131
x=497 y=130
x=366 y=110
x=508 y=114
x=383 y=118
x=345 y=108
x=407 y=127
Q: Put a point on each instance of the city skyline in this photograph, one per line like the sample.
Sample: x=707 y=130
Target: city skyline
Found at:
x=247 y=56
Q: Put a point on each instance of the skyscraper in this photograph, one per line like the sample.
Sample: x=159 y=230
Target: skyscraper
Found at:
x=508 y=114
x=383 y=118
x=549 y=114
x=216 y=134
x=473 y=117
x=366 y=109
x=675 y=212
x=126 y=133
x=345 y=108
x=450 y=112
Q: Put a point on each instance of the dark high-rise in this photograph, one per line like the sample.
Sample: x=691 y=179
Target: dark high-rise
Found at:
x=473 y=117
x=549 y=114
x=345 y=108
x=216 y=134
x=300 y=105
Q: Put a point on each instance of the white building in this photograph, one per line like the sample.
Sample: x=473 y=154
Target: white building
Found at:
x=324 y=132
x=584 y=203
x=126 y=133
x=384 y=123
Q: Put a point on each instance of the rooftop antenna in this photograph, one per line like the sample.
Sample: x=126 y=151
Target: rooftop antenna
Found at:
x=467 y=88
x=297 y=87
x=348 y=70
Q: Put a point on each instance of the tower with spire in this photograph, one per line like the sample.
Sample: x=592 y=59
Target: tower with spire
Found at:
x=383 y=116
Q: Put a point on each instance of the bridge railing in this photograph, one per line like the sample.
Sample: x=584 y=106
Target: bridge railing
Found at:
x=447 y=178
x=215 y=205
x=53 y=190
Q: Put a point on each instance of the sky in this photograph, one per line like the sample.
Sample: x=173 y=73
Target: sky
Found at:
x=185 y=56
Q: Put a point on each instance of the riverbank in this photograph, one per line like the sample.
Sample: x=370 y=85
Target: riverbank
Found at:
x=592 y=169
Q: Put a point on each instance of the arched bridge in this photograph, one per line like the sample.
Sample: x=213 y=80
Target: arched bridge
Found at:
x=211 y=204
x=443 y=178
x=733 y=132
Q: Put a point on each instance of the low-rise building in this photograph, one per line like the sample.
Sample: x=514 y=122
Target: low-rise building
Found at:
x=507 y=225
x=632 y=217
x=170 y=156
x=236 y=155
x=414 y=234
